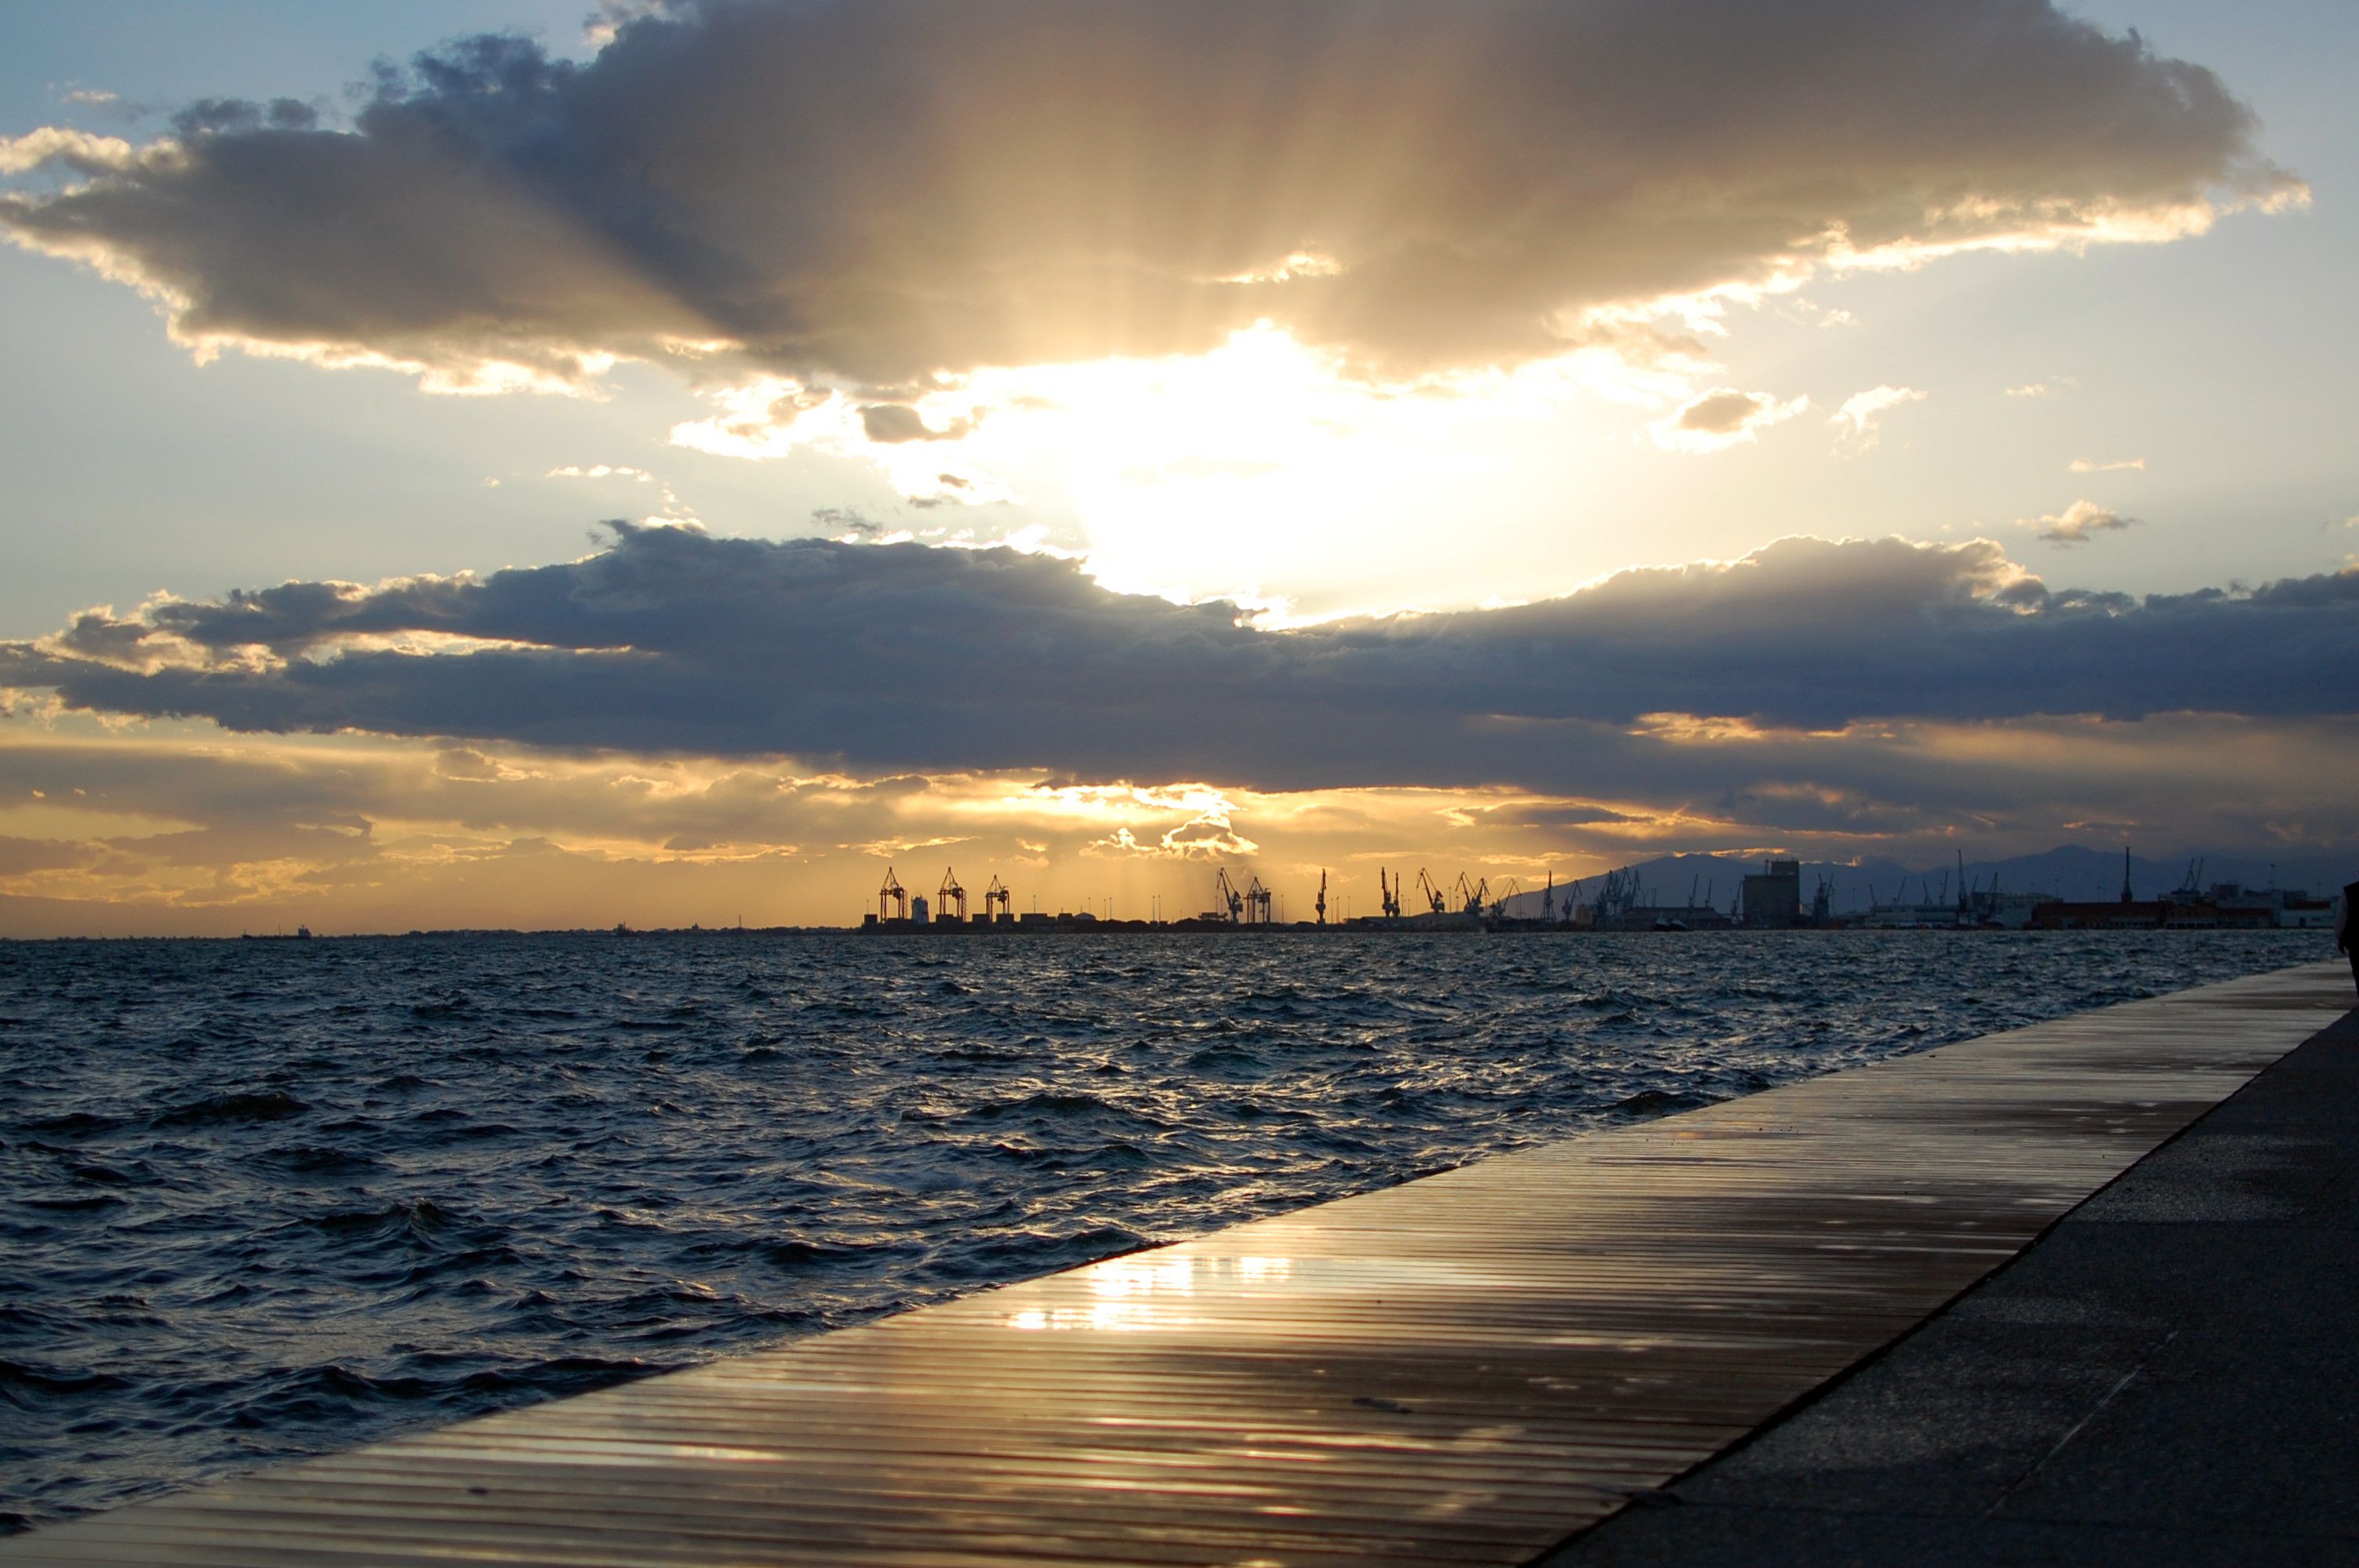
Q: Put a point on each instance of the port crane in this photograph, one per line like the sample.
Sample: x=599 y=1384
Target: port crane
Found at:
x=1432 y=894
x=1321 y=905
x=949 y=894
x=892 y=894
x=1548 y=901
x=1232 y=903
x=1514 y=888
x=1257 y=902
x=1470 y=894
x=1617 y=890
x=1388 y=896
x=997 y=894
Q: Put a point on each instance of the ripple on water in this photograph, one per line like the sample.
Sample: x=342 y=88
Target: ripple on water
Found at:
x=314 y=1194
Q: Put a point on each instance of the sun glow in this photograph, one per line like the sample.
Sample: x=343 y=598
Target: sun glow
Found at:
x=1263 y=461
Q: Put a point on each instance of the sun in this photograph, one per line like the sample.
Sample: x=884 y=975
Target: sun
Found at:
x=1257 y=466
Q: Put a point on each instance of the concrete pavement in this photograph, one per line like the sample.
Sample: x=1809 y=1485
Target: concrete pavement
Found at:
x=2169 y=1377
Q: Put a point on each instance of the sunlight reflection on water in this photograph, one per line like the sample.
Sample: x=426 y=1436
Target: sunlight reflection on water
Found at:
x=271 y=1198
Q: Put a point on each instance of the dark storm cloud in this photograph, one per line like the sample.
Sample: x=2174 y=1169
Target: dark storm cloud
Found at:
x=902 y=656
x=874 y=191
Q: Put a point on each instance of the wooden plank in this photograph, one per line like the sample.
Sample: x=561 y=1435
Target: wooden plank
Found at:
x=1461 y=1370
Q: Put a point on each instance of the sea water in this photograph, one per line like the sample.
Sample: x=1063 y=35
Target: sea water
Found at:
x=260 y=1199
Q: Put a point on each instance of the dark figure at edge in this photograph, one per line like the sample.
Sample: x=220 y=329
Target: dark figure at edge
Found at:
x=2346 y=929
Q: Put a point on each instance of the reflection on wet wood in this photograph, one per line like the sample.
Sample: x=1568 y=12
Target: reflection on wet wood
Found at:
x=1463 y=1369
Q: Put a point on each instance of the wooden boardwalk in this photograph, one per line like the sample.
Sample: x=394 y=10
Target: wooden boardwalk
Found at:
x=1466 y=1368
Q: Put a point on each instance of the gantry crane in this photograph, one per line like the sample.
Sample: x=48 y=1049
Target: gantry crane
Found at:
x=894 y=894
x=949 y=894
x=1548 y=901
x=1321 y=907
x=1432 y=894
x=997 y=894
x=1388 y=897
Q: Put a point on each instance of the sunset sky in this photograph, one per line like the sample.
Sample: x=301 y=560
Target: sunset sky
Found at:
x=475 y=463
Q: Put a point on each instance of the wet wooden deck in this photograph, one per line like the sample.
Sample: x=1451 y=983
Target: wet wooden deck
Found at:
x=1465 y=1369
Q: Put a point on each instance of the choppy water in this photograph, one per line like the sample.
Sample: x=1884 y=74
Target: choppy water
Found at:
x=259 y=1199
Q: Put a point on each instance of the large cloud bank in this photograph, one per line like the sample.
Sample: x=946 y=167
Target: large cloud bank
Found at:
x=869 y=193
x=904 y=656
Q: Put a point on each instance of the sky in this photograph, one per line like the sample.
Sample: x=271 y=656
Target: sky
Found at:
x=532 y=463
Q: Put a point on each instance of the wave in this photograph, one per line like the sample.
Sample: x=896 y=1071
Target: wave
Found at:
x=264 y=1105
x=303 y=1206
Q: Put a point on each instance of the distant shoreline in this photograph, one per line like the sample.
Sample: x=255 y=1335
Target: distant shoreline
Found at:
x=1128 y=928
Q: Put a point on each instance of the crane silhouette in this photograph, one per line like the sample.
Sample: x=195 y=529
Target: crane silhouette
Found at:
x=1232 y=903
x=1499 y=906
x=1432 y=894
x=1257 y=900
x=1469 y=895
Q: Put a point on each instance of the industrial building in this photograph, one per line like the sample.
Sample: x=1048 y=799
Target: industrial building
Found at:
x=1773 y=897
